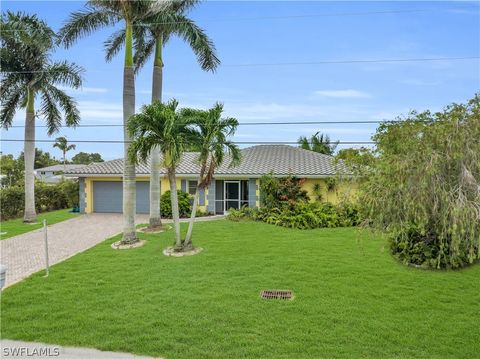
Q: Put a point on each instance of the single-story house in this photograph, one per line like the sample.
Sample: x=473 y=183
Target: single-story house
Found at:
x=232 y=187
x=53 y=174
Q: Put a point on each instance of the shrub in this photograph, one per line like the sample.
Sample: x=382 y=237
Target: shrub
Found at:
x=47 y=198
x=424 y=190
x=184 y=206
x=303 y=215
x=279 y=191
x=12 y=201
x=71 y=190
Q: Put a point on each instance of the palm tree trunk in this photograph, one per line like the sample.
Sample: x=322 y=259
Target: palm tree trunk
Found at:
x=188 y=239
x=129 y=180
x=29 y=215
x=64 y=166
x=175 y=212
x=155 y=216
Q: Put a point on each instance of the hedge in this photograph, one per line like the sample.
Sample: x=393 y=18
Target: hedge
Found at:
x=47 y=198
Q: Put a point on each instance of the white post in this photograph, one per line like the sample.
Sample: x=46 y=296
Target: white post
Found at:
x=46 y=246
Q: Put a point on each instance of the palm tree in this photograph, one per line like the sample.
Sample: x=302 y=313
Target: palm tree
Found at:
x=162 y=126
x=62 y=144
x=213 y=144
x=150 y=37
x=29 y=73
x=318 y=143
x=99 y=14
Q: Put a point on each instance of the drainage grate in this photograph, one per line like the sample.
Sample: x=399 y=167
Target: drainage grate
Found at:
x=277 y=294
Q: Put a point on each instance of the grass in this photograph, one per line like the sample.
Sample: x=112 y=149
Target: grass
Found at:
x=14 y=227
x=352 y=300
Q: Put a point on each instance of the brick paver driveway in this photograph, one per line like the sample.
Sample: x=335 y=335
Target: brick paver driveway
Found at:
x=25 y=254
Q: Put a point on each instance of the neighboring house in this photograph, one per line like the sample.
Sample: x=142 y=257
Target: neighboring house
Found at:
x=101 y=183
x=53 y=174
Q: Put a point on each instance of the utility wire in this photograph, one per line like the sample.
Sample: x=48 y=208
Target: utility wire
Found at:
x=326 y=62
x=322 y=62
x=236 y=142
x=299 y=16
x=240 y=124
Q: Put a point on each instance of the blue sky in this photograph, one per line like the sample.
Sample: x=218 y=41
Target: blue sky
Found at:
x=327 y=92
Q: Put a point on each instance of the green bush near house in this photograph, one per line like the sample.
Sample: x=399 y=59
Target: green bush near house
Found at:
x=184 y=205
x=302 y=215
x=275 y=192
x=47 y=198
x=71 y=190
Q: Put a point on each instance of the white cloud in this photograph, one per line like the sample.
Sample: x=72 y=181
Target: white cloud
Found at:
x=92 y=111
x=342 y=93
x=84 y=90
x=94 y=89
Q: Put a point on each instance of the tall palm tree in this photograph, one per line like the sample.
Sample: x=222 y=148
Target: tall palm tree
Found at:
x=212 y=141
x=30 y=74
x=318 y=142
x=62 y=144
x=150 y=37
x=162 y=126
x=104 y=13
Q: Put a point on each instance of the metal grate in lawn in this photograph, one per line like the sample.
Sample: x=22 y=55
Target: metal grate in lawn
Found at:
x=277 y=294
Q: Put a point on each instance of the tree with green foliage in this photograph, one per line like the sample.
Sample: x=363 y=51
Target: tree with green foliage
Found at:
x=150 y=38
x=29 y=73
x=212 y=139
x=11 y=170
x=62 y=144
x=163 y=126
x=318 y=142
x=42 y=159
x=424 y=190
x=357 y=159
x=105 y=13
x=84 y=158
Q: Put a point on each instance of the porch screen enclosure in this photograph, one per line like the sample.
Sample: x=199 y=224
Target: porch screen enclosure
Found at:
x=230 y=194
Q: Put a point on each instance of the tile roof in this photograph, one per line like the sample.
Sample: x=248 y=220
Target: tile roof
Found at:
x=58 y=168
x=256 y=161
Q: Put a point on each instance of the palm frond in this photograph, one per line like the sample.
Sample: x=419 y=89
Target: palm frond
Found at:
x=66 y=103
x=50 y=112
x=114 y=44
x=65 y=74
x=83 y=23
x=143 y=51
x=10 y=103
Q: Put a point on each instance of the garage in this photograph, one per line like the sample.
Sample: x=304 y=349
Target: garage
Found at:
x=108 y=197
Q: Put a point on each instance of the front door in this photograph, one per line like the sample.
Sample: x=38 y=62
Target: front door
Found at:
x=232 y=195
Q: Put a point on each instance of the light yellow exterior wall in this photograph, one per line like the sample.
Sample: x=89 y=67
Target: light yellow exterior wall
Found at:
x=342 y=189
x=164 y=187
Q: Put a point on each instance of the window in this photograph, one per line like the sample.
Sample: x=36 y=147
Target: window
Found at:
x=192 y=187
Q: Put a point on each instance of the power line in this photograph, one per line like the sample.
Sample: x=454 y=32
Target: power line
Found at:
x=299 y=16
x=236 y=142
x=321 y=62
x=302 y=16
x=327 y=62
x=243 y=123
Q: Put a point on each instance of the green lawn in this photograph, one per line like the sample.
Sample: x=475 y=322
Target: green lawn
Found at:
x=14 y=227
x=352 y=300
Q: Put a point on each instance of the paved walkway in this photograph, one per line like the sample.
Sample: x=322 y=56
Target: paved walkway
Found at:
x=25 y=254
x=24 y=350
